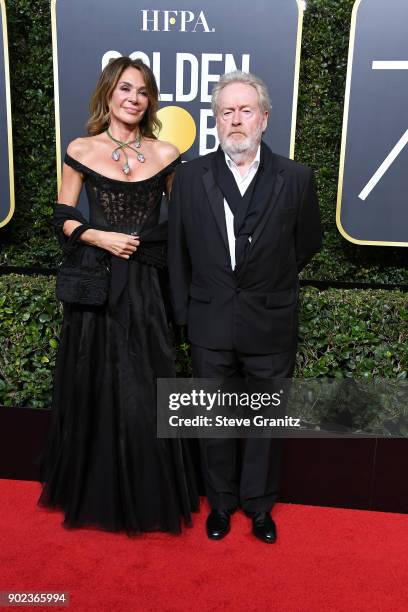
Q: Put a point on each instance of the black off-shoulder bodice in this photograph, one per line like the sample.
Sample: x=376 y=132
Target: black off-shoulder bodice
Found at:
x=126 y=206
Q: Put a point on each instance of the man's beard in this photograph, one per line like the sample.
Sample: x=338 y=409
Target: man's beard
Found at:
x=240 y=149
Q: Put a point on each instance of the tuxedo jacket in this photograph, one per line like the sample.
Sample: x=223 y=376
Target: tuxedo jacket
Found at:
x=253 y=310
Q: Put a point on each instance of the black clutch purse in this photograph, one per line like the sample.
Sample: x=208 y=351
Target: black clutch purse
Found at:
x=84 y=274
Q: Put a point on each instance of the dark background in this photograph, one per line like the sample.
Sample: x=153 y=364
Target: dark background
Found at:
x=377 y=118
x=4 y=157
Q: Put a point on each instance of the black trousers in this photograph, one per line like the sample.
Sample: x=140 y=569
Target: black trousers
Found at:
x=245 y=472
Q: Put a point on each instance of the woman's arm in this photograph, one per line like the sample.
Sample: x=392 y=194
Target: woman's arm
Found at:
x=167 y=153
x=121 y=245
x=169 y=184
x=71 y=186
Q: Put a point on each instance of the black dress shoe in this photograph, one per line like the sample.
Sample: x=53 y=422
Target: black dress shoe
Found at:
x=263 y=527
x=218 y=524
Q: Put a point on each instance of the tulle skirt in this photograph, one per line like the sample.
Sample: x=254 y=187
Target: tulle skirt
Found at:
x=104 y=465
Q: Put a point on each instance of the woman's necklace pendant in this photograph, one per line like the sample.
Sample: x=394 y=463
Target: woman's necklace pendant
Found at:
x=133 y=145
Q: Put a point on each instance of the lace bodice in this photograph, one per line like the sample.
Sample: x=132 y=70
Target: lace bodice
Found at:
x=126 y=206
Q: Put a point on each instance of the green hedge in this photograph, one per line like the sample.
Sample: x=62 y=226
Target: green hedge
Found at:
x=27 y=239
x=353 y=333
x=344 y=333
x=30 y=319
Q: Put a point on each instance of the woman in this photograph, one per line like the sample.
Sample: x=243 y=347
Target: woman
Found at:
x=105 y=466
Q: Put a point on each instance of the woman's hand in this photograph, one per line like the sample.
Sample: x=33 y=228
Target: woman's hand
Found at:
x=121 y=245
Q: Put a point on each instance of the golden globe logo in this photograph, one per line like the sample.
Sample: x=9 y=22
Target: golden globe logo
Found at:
x=178 y=21
x=195 y=76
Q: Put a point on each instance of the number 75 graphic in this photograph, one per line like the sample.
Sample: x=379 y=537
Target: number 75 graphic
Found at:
x=396 y=150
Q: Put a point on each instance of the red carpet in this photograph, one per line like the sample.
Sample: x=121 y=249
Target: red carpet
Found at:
x=325 y=559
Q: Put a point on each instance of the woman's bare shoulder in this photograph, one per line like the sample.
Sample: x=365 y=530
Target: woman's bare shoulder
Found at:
x=81 y=147
x=166 y=151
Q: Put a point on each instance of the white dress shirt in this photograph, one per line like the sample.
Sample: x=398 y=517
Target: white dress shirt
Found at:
x=243 y=183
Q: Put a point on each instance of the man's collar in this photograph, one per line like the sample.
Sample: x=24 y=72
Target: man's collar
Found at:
x=255 y=162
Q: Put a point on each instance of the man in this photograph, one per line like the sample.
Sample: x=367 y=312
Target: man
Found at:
x=242 y=223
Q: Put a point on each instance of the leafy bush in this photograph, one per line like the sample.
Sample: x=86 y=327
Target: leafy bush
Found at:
x=28 y=239
x=30 y=319
x=344 y=333
x=353 y=333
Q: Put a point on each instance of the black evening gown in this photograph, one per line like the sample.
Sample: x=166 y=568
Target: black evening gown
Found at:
x=104 y=465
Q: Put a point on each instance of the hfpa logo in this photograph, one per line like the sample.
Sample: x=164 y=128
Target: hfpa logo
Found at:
x=180 y=21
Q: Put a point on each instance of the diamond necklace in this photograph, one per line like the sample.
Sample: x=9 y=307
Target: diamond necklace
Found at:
x=122 y=147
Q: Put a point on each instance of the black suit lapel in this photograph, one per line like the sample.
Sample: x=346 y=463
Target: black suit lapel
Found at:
x=216 y=200
x=277 y=183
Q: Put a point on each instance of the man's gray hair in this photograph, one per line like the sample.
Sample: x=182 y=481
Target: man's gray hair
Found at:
x=237 y=76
